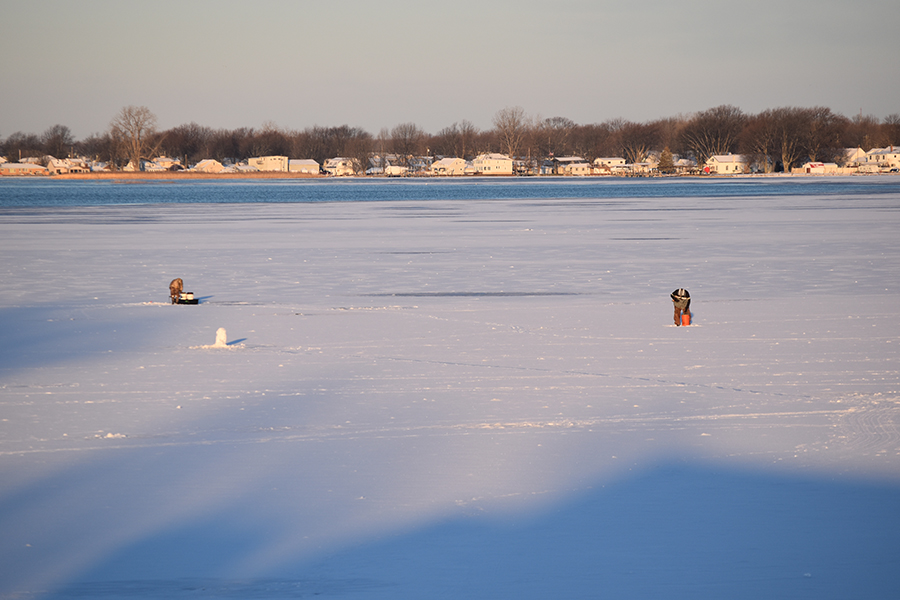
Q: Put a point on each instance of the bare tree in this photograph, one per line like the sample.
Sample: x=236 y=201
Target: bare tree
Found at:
x=864 y=131
x=406 y=141
x=757 y=141
x=58 y=141
x=713 y=131
x=553 y=136
x=133 y=129
x=638 y=139
x=511 y=125
x=21 y=145
x=891 y=128
x=790 y=125
x=823 y=133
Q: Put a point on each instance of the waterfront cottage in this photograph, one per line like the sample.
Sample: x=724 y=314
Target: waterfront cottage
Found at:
x=493 y=164
x=449 y=166
x=726 y=164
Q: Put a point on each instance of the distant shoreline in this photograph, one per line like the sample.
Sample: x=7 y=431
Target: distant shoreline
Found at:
x=169 y=175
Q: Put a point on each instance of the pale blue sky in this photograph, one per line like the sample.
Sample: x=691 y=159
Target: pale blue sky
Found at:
x=375 y=64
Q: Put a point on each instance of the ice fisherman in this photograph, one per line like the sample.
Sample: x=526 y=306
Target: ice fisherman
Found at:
x=681 y=298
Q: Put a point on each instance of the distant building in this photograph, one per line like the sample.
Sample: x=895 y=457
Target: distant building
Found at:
x=817 y=168
x=609 y=165
x=726 y=164
x=449 y=166
x=493 y=164
x=61 y=166
x=269 y=163
x=303 y=165
x=13 y=169
x=884 y=158
x=339 y=167
x=851 y=157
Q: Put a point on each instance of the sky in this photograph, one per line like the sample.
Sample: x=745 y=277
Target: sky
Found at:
x=295 y=64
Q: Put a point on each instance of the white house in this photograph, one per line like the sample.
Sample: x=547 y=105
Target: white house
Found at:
x=269 y=163
x=885 y=158
x=726 y=164
x=339 y=167
x=449 y=166
x=609 y=165
x=493 y=164
x=610 y=162
x=852 y=156
x=58 y=166
x=567 y=165
x=303 y=165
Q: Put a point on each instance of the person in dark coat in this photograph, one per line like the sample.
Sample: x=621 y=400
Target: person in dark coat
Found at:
x=681 y=298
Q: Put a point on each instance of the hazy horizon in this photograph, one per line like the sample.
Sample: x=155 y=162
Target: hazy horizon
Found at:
x=230 y=64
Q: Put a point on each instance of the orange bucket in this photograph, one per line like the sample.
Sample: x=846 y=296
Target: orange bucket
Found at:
x=685 y=319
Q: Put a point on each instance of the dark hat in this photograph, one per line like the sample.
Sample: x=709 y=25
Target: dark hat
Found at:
x=681 y=294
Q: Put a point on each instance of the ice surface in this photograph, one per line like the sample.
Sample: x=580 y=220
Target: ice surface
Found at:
x=451 y=398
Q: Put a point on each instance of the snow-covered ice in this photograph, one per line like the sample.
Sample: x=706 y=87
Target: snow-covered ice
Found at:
x=453 y=399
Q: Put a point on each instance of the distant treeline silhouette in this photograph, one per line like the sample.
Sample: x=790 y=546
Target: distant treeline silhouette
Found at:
x=778 y=138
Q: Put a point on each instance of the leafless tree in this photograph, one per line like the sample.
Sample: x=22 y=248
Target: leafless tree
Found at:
x=511 y=126
x=132 y=129
x=758 y=141
x=406 y=141
x=638 y=139
x=58 y=141
x=822 y=139
x=553 y=136
x=864 y=131
x=891 y=129
x=456 y=140
x=190 y=142
x=21 y=145
x=713 y=131
x=791 y=124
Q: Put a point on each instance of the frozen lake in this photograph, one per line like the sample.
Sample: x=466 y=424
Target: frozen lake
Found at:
x=460 y=389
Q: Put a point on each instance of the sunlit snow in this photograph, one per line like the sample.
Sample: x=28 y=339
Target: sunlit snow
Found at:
x=449 y=398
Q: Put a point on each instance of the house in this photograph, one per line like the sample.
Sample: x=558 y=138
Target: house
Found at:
x=493 y=164
x=852 y=156
x=269 y=163
x=449 y=166
x=884 y=158
x=61 y=166
x=610 y=162
x=726 y=164
x=303 y=165
x=209 y=165
x=339 y=167
x=684 y=166
x=610 y=165
x=9 y=168
x=817 y=168
x=566 y=165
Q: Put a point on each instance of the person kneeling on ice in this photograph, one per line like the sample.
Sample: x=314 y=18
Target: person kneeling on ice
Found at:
x=681 y=298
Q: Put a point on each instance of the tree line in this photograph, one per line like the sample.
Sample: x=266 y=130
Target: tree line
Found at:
x=774 y=139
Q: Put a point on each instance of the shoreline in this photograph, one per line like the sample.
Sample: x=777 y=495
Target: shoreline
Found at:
x=268 y=175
